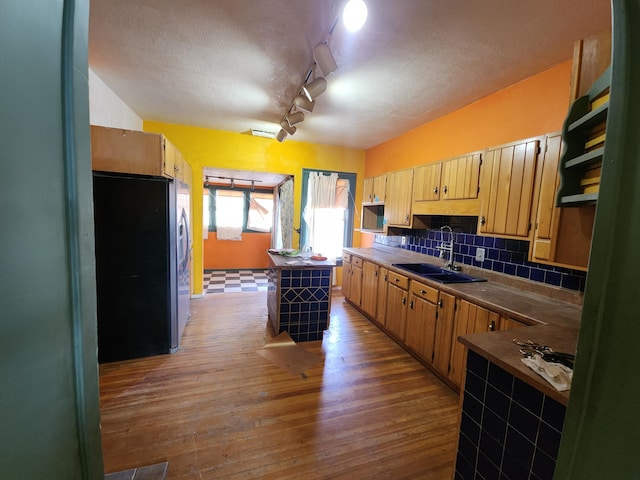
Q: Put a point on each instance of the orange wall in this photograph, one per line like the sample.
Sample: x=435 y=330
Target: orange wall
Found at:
x=251 y=252
x=532 y=107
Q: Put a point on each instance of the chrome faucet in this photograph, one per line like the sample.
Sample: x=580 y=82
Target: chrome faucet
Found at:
x=448 y=248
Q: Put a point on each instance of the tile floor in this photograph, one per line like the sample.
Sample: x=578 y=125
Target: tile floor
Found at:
x=227 y=281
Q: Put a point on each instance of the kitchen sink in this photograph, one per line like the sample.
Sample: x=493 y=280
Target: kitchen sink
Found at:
x=438 y=274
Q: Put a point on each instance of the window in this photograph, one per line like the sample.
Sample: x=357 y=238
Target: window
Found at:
x=327 y=213
x=239 y=210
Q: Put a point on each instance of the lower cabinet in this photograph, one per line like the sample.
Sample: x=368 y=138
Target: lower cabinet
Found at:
x=423 y=319
x=397 y=302
x=469 y=319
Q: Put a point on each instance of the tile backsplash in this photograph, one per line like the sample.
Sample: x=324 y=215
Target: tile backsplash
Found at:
x=501 y=255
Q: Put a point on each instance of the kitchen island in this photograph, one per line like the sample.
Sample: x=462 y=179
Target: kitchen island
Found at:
x=299 y=296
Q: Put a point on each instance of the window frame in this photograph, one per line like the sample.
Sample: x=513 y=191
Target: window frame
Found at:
x=247 y=202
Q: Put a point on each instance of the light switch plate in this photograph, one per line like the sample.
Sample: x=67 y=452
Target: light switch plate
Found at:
x=480 y=255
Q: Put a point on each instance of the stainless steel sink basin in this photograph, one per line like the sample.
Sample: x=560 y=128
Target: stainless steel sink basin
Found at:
x=438 y=274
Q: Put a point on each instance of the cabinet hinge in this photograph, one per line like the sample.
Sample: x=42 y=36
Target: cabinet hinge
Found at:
x=529 y=229
x=481 y=160
x=436 y=314
x=539 y=151
x=455 y=306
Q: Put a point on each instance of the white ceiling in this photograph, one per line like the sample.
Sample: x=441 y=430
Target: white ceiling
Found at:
x=236 y=64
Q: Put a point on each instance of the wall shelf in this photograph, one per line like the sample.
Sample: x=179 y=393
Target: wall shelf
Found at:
x=584 y=134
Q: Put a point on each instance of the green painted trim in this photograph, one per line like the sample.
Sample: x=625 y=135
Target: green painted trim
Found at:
x=601 y=437
x=74 y=20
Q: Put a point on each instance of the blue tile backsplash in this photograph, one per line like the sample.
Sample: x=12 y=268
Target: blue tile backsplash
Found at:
x=501 y=255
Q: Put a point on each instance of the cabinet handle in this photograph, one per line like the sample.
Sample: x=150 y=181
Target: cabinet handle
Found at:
x=492 y=326
x=483 y=220
x=440 y=303
x=375 y=273
x=422 y=292
x=444 y=189
x=404 y=300
x=397 y=280
x=385 y=277
x=411 y=304
x=406 y=218
x=435 y=190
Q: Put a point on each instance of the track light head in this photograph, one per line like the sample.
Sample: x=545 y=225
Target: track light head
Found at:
x=302 y=103
x=281 y=135
x=324 y=59
x=315 y=88
x=289 y=129
x=294 y=118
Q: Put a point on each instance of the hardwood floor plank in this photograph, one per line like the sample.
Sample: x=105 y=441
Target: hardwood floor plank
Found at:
x=218 y=410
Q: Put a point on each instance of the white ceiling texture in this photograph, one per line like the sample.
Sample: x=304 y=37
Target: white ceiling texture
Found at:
x=236 y=65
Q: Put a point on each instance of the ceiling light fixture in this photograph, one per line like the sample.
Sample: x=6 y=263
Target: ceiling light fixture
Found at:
x=281 y=136
x=354 y=15
x=302 y=103
x=289 y=129
x=294 y=118
x=315 y=88
x=324 y=59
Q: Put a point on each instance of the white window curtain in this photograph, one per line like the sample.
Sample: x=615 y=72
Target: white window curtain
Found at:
x=229 y=214
x=324 y=213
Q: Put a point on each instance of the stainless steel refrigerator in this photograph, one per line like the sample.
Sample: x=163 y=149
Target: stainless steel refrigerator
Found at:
x=143 y=253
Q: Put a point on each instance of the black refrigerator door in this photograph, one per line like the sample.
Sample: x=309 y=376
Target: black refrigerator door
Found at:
x=134 y=222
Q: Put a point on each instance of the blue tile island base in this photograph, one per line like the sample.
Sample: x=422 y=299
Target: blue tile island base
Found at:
x=508 y=429
x=299 y=297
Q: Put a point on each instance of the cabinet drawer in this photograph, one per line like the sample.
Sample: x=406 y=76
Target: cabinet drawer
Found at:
x=399 y=280
x=430 y=294
x=346 y=257
x=356 y=262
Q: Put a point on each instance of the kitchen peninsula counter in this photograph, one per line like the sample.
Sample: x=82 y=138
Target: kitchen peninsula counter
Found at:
x=552 y=315
x=299 y=296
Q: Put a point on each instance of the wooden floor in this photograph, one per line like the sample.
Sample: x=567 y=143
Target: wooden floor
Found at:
x=218 y=410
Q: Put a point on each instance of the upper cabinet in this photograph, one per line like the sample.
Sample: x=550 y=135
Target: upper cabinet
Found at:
x=506 y=188
x=130 y=151
x=447 y=188
x=375 y=189
x=398 y=202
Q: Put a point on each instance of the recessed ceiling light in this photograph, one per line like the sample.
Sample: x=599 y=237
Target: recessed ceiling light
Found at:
x=354 y=15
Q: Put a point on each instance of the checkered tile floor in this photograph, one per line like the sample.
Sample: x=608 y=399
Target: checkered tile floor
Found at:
x=227 y=281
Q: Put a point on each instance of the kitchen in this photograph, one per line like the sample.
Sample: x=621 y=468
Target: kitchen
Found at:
x=601 y=272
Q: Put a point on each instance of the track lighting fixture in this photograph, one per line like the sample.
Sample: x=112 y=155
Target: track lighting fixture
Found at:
x=315 y=88
x=302 y=103
x=289 y=129
x=233 y=184
x=324 y=59
x=281 y=136
x=294 y=118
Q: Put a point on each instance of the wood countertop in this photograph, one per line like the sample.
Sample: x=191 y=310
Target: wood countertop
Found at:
x=553 y=314
x=498 y=348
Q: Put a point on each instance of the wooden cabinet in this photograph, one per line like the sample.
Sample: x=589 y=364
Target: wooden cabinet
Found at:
x=506 y=188
x=397 y=300
x=399 y=194
x=426 y=182
x=444 y=331
x=420 y=330
x=346 y=275
x=352 y=278
x=507 y=323
x=130 y=151
x=460 y=177
x=369 y=297
x=381 y=301
x=375 y=189
x=469 y=318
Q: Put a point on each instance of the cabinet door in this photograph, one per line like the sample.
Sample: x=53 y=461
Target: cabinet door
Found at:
x=379 y=188
x=396 y=317
x=546 y=212
x=367 y=195
x=370 y=273
x=507 y=189
x=421 y=327
x=444 y=330
x=355 y=287
x=399 y=194
x=460 y=177
x=469 y=319
x=346 y=278
x=169 y=158
x=508 y=323
x=426 y=182
x=381 y=307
